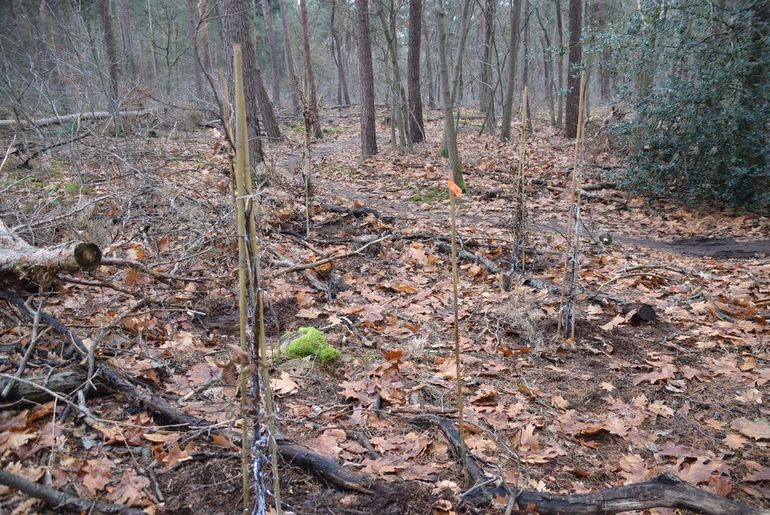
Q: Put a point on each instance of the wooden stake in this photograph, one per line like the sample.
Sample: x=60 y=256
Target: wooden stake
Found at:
x=520 y=210
x=566 y=320
x=454 y=190
x=241 y=162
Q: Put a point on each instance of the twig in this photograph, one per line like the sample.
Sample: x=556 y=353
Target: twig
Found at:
x=149 y=271
x=36 y=334
x=314 y=264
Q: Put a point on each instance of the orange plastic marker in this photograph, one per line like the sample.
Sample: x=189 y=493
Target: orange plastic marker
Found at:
x=455 y=189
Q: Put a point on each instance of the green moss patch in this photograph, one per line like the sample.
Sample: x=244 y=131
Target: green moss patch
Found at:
x=308 y=341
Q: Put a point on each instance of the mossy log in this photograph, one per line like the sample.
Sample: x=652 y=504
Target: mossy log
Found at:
x=21 y=262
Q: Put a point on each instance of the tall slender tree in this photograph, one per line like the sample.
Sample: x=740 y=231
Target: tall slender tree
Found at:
x=193 y=15
x=290 y=71
x=416 y=124
x=343 y=95
x=267 y=14
x=559 y=65
x=312 y=99
x=575 y=61
x=486 y=88
x=505 y=130
x=450 y=134
x=430 y=83
x=366 y=71
x=124 y=20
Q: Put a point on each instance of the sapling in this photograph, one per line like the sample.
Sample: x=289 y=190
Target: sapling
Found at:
x=566 y=322
x=455 y=191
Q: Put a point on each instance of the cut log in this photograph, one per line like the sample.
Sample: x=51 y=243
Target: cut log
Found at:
x=97 y=115
x=21 y=261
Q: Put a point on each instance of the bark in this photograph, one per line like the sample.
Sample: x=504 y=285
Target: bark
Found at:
x=192 y=13
x=20 y=261
x=124 y=20
x=236 y=29
x=343 y=95
x=505 y=130
x=151 y=34
x=429 y=68
x=368 y=127
x=416 y=124
x=575 y=61
x=312 y=100
x=457 y=73
x=267 y=14
x=560 y=66
x=604 y=64
x=450 y=135
x=110 y=50
x=289 y=58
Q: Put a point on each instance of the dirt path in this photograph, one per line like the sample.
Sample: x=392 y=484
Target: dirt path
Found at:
x=720 y=248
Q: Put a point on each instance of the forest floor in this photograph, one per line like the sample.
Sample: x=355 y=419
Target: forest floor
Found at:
x=621 y=403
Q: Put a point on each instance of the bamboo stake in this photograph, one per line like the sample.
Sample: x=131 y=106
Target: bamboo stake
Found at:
x=241 y=162
x=455 y=191
x=520 y=210
x=247 y=204
x=566 y=320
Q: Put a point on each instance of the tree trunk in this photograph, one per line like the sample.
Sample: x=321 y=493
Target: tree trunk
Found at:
x=192 y=13
x=416 y=125
x=505 y=130
x=368 y=122
x=109 y=49
x=457 y=72
x=400 y=108
x=429 y=68
x=560 y=66
x=450 y=135
x=124 y=20
x=267 y=14
x=545 y=42
x=313 y=100
x=236 y=29
x=604 y=65
x=151 y=34
x=289 y=59
x=343 y=95
x=575 y=61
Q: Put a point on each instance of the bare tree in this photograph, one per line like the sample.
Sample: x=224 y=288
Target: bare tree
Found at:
x=450 y=134
x=575 y=61
x=559 y=65
x=505 y=131
x=192 y=13
x=110 y=50
x=312 y=100
x=124 y=20
x=486 y=89
x=416 y=125
x=400 y=108
x=267 y=13
x=343 y=96
x=289 y=58
x=368 y=127
x=431 y=84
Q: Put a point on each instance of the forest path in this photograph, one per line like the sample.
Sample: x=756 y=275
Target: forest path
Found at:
x=703 y=246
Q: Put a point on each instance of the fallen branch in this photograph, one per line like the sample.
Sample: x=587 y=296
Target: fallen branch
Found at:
x=21 y=261
x=149 y=271
x=60 y=500
x=96 y=115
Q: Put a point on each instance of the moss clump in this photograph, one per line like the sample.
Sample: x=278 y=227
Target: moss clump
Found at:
x=309 y=341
